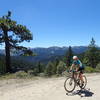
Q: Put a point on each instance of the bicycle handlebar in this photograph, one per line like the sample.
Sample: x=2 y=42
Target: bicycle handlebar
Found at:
x=71 y=71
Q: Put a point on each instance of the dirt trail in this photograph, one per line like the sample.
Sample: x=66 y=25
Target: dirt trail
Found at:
x=47 y=89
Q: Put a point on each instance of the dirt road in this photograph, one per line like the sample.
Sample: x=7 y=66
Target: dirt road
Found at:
x=47 y=89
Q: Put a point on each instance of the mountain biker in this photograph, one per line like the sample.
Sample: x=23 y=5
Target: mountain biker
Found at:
x=78 y=66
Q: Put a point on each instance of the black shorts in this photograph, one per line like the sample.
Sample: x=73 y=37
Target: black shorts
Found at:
x=81 y=70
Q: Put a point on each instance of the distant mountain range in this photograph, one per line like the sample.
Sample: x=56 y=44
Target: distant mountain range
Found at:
x=45 y=54
x=52 y=50
x=48 y=53
x=59 y=50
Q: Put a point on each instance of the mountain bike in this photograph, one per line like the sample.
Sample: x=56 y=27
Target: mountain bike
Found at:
x=71 y=81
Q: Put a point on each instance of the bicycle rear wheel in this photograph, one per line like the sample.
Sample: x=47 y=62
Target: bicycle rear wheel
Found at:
x=69 y=84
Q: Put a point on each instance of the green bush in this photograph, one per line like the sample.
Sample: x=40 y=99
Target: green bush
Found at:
x=42 y=74
x=89 y=70
x=21 y=74
x=30 y=72
x=35 y=72
x=98 y=66
x=61 y=68
x=49 y=69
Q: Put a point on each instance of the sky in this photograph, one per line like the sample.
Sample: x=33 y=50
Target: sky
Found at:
x=56 y=22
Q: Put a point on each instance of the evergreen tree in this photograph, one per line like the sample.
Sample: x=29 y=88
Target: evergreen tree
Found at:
x=49 y=69
x=12 y=34
x=61 y=67
x=92 y=43
x=40 y=67
x=55 y=64
x=69 y=56
x=92 y=55
x=28 y=52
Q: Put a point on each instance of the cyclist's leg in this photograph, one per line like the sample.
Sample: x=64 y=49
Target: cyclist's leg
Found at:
x=81 y=75
x=75 y=75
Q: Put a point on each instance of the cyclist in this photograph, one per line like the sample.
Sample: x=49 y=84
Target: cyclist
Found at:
x=78 y=66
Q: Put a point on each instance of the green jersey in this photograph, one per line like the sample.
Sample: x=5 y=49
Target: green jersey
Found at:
x=78 y=63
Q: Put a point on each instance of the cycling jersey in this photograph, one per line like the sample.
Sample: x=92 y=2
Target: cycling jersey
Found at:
x=78 y=63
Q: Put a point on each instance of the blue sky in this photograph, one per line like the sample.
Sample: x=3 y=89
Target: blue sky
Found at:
x=57 y=22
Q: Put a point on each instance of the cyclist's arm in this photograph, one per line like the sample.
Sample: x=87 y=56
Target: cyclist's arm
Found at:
x=71 y=68
x=77 y=67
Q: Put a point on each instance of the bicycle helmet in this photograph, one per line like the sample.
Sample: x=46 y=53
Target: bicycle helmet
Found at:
x=75 y=57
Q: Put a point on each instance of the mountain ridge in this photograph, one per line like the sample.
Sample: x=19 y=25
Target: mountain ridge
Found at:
x=46 y=54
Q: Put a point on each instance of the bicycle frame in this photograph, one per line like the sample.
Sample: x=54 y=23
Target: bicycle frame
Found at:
x=75 y=73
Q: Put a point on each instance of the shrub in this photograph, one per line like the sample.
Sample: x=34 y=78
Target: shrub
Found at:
x=42 y=74
x=21 y=74
x=89 y=69
x=30 y=72
x=49 y=69
x=35 y=71
x=98 y=66
x=61 y=68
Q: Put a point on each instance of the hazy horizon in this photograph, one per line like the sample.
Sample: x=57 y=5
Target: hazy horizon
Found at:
x=56 y=46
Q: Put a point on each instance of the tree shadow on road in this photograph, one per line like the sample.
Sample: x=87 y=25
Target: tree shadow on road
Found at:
x=82 y=93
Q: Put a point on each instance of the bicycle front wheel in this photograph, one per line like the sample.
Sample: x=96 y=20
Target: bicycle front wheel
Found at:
x=69 y=84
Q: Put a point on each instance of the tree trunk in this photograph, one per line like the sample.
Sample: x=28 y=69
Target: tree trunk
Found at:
x=7 y=52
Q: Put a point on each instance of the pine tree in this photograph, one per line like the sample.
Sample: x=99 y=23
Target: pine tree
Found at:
x=69 y=56
x=49 y=69
x=40 y=67
x=92 y=57
x=61 y=67
x=12 y=34
x=55 y=64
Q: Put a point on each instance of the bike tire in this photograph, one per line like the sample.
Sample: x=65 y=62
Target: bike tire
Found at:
x=73 y=86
